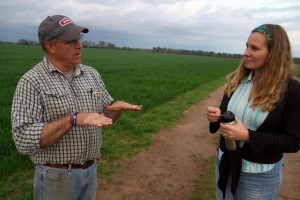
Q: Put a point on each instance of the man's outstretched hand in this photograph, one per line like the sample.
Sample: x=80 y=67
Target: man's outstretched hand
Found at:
x=122 y=106
x=114 y=111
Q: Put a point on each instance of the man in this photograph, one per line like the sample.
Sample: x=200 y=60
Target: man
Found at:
x=58 y=110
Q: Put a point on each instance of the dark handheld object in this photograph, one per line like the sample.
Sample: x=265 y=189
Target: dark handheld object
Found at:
x=229 y=118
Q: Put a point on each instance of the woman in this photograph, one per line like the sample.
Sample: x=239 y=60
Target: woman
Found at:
x=266 y=101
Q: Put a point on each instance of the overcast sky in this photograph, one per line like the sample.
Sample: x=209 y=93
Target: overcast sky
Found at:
x=208 y=25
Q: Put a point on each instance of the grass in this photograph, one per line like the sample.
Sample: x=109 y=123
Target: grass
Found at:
x=165 y=115
x=164 y=84
x=205 y=190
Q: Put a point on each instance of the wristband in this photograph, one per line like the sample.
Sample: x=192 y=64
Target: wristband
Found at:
x=73 y=117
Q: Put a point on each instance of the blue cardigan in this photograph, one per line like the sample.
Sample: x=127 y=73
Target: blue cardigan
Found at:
x=278 y=134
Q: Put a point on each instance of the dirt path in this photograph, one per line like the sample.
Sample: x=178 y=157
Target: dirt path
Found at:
x=169 y=169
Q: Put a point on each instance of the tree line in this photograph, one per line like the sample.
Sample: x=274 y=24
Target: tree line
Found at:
x=109 y=45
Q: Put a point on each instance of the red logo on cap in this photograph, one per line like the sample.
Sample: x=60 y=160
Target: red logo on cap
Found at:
x=65 y=21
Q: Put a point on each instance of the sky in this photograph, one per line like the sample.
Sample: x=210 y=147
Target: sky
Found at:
x=221 y=26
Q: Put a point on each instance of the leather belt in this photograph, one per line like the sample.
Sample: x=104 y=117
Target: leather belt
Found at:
x=72 y=166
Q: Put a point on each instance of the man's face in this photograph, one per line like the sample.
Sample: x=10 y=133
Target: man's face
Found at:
x=67 y=54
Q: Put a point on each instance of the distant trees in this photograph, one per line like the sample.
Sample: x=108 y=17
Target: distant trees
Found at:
x=88 y=43
x=26 y=42
x=101 y=44
x=109 y=45
x=196 y=53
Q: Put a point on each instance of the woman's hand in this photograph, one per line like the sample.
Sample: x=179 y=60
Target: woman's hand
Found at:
x=235 y=131
x=213 y=114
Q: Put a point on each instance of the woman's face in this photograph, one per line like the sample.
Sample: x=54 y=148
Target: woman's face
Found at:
x=256 y=51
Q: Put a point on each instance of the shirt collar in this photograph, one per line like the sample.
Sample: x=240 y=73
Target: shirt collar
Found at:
x=51 y=68
x=248 y=78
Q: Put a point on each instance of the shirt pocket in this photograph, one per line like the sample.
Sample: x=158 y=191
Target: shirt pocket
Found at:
x=57 y=103
x=90 y=101
x=97 y=98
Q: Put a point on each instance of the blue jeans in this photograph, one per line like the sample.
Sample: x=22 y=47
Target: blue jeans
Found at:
x=65 y=184
x=253 y=186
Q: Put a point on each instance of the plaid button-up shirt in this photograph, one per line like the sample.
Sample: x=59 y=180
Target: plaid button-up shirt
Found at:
x=44 y=95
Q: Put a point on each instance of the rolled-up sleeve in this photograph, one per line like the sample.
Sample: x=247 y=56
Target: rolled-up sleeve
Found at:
x=26 y=117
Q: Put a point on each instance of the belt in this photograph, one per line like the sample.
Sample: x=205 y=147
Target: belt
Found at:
x=72 y=166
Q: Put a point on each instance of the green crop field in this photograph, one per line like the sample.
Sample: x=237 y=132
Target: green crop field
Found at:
x=165 y=84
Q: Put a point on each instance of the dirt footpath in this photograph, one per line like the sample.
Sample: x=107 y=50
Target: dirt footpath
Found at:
x=169 y=169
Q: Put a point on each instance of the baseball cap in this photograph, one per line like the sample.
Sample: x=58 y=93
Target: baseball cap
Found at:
x=60 y=27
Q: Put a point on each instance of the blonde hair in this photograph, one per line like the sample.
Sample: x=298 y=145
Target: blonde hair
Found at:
x=276 y=72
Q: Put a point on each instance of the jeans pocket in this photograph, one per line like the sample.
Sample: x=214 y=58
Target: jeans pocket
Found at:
x=55 y=175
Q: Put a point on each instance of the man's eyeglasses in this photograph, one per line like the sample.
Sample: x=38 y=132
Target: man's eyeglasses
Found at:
x=71 y=43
